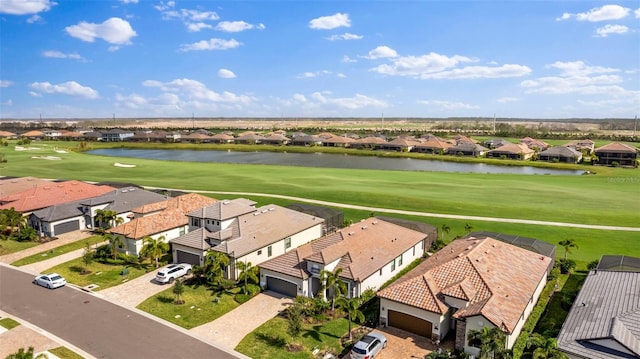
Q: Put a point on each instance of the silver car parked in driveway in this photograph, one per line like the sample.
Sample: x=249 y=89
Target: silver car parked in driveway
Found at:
x=51 y=281
x=369 y=346
x=173 y=271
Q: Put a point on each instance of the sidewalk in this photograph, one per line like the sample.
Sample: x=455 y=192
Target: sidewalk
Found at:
x=62 y=240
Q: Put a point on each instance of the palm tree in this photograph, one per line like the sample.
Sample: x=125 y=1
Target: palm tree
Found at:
x=247 y=272
x=467 y=228
x=154 y=248
x=105 y=216
x=331 y=281
x=545 y=348
x=445 y=230
x=115 y=241
x=22 y=354
x=492 y=341
x=352 y=307
x=568 y=244
x=215 y=264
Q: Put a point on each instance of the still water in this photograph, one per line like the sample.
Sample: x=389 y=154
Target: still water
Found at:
x=327 y=160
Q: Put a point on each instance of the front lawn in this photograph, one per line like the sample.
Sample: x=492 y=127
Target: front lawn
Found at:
x=269 y=340
x=70 y=247
x=202 y=305
x=64 y=353
x=8 y=246
x=103 y=275
x=8 y=323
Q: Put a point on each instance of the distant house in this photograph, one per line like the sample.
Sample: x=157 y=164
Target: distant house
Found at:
x=222 y=138
x=495 y=143
x=467 y=149
x=167 y=220
x=560 y=154
x=196 y=137
x=512 y=151
x=72 y=216
x=243 y=232
x=620 y=153
x=369 y=253
x=276 y=139
x=432 y=144
x=604 y=321
x=337 y=141
x=116 y=135
x=303 y=139
x=399 y=144
x=534 y=144
x=7 y=134
x=472 y=283
x=460 y=139
x=371 y=142
x=587 y=146
x=33 y=135
x=249 y=138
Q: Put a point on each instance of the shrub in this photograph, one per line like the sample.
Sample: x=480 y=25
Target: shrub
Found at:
x=242 y=298
x=566 y=265
x=253 y=289
x=593 y=264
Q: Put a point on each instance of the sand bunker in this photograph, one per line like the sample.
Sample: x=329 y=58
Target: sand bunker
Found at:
x=20 y=148
x=123 y=165
x=54 y=158
x=61 y=151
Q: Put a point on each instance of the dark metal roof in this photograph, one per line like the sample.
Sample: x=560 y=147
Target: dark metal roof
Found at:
x=531 y=244
x=619 y=263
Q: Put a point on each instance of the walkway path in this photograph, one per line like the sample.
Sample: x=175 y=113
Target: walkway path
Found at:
x=229 y=329
x=415 y=213
x=62 y=240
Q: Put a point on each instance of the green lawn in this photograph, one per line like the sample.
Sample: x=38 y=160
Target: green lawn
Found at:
x=8 y=246
x=201 y=305
x=8 y=323
x=64 y=353
x=554 y=315
x=268 y=341
x=103 y=275
x=70 y=247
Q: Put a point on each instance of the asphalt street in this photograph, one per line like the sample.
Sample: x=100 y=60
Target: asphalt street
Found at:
x=97 y=326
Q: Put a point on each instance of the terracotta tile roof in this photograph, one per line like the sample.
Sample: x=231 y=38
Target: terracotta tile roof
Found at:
x=52 y=193
x=362 y=249
x=513 y=148
x=34 y=133
x=9 y=186
x=616 y=147
x=7 y=134
x=172 y=214
x=498 y=278
x=435 y=142
x=531 y=142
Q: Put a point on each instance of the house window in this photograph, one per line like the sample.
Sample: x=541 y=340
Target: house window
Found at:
x=380 y=271
x=269 y=251
x=287 y=243
x=196 y=222
x=393 y=265
x=260 y=252
x=414 y=251
x=399 y=259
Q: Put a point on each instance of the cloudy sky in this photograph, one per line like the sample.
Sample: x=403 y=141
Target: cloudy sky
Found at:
x=141 y=58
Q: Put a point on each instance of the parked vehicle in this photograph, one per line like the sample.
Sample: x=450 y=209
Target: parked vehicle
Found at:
x=169 y=273
x=51 y=281
x=369 y=346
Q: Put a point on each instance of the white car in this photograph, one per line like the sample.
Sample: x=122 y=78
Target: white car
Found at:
x=51 y=281
x=369 y=346
x=169 y=273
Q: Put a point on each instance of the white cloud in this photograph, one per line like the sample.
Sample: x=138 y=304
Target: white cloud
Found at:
x=194 y=20
x=345 y=36
x=25 y=7
x=211 y=44
x=507 y=99
x=347 y=59
x=603 y=13
x=67 y=88
x=9 y=102
x=5 y=83
x=299 y=97
x=237 y=26
x=611 y=29
x=197 y=91
x=165 y=6
x=114 y=31
x=226 y=74
x=309 y=74
x=330 y=22
x=60 y=55
x=352 y=103
x=197 y=26
x=341 y=75
x=34 y=19
x=129 y=1
x=382 y=52
x=448 y=105
x=637 y=13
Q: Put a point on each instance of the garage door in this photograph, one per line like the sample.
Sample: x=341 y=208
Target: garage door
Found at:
x=186 y=257
x=66 y=227
x=282 y=286
x=410 y=323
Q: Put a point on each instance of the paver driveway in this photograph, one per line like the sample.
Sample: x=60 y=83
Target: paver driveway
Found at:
x=229 y=329
x=402 y=344
x=135 y=291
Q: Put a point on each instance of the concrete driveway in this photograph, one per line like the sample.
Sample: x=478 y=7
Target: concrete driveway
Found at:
x=402 y=344
x=135 y=291
x=229 y=329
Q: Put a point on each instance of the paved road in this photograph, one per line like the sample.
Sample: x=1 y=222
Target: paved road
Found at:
x=101 y=328
x=415 y=213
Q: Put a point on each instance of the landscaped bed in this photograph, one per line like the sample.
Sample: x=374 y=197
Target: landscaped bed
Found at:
x=100 y=274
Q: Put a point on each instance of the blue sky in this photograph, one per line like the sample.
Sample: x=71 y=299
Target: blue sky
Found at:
x=140 y=58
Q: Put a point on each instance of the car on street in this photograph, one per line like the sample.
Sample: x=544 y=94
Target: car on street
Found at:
x=51 y=281
x=369 y=346
x=171 y=272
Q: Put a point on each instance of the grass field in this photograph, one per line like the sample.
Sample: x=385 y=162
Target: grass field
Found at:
x=610 y=197
x=100 y=274
x=58 y=251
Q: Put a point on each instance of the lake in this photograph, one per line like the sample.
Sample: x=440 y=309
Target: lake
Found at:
x=327 y=160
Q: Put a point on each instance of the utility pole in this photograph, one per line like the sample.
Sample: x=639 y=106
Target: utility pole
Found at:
x=494 y=124
x=635 y=127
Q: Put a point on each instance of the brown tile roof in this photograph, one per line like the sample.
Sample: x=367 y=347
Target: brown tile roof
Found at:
x=617 y=147
x=49 y=194
x=435 y=142
x=34 y=133
x=362 y=248
x=9 y=186
x=498 y=278
x=513 y=148
x=7 y=134
x=172 y=214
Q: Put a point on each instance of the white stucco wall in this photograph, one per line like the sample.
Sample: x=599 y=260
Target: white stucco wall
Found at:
x=439 y=323
x=377 y=279
x=511 y=339
x=133 y=246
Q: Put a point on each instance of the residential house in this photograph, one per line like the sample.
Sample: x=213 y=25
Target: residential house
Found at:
x=196 y=137
x=173 y=136
x=222 y=138
x=51 y=133
x=471 y=283
x=337 y=141
x=460 y=139
x=560 y=154
x=9 y=186
x=7 y=134
x=617 y=153
x=49 y=194
x=534 y=144
x=244 y=233
x=33 y=135
x=302 y=139
x=167 y=220
x=432 y=144
x=72 y=216
x=399 y=144
x=512 y=151
x=586 y=145
x=116 y=135
x=276 y=139
x=249 y=138
x=371 y=142
x=467 y=149
x=604 y=321
x=495 y=143
x=369 y=254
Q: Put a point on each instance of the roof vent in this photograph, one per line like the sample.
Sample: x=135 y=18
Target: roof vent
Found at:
x=272 y=209
x=364 y=227
x=226 y=202
x=264 y=211
x=256 y=213
x=352 y=233
x=374 y=222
